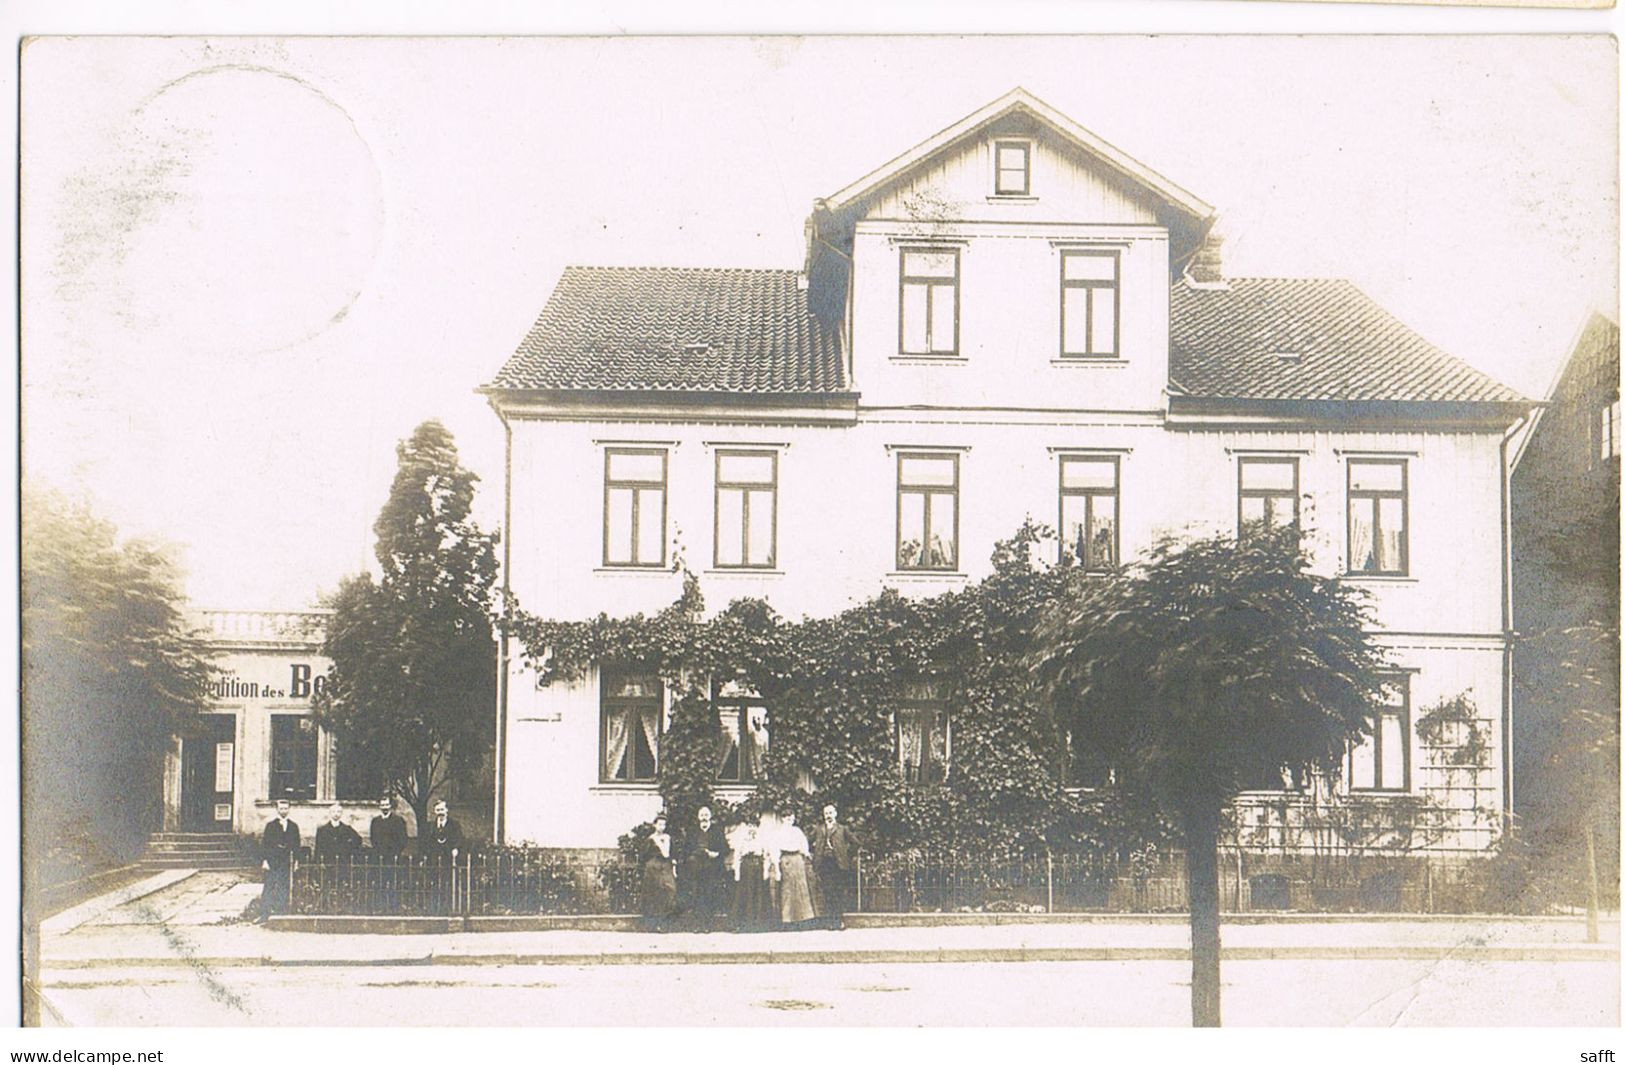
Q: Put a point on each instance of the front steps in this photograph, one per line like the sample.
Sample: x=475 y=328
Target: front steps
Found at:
x=196 y=850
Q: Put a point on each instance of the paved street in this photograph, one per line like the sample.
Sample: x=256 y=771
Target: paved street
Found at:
x=180 y=956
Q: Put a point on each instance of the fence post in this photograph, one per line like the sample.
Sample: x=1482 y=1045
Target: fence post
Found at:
x=860 y=884
x=1049 y=881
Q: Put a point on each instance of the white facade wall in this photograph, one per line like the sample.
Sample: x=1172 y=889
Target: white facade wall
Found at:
x=1009 y=405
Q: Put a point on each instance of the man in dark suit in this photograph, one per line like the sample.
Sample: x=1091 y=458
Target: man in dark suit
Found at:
x=335 y=840
x=279 y=851
x=835 y=853
x=441 y=843
x=703 y=860
x=388 y=831
x=388 y=837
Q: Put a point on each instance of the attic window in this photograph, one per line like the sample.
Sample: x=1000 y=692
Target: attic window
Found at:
x=1012 y=168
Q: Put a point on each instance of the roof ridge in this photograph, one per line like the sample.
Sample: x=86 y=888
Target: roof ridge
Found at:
x=690 y=269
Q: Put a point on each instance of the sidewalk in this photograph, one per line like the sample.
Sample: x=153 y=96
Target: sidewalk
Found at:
x=179 y=924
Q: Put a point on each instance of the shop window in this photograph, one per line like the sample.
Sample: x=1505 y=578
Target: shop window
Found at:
x=293 y=757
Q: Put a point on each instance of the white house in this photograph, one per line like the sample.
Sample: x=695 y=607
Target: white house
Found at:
x=1012 y=318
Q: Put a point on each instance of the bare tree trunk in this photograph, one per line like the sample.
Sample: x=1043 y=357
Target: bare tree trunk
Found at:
x=1202 y=885
x=1591 y=883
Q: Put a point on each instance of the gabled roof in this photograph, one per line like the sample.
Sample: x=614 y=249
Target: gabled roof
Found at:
x=636 y=329
x=1020 y=100
x=677 y=330
x=1309 y=339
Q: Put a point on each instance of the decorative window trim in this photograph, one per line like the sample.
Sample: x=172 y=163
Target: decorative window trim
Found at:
x=1067 y=252
x=1243 y=493
x=639 y=488
x=930 y=285
x=606 y=702
x=1090 y=495
x=745 y=489
x=952 y=565
x=1403 y=494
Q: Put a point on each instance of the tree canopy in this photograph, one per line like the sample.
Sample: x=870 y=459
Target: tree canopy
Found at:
x=111 y=670
x=1206 y=665
x=413 y=690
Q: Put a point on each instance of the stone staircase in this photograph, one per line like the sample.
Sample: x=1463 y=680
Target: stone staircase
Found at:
x=196 y=850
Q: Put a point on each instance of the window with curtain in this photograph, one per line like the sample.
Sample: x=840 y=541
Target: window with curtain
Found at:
x=1378 y=514
x=293 y=757
x=923 y=740
x=1382 y=760
x=746 y=532
x=1083 y=766
x=1089 y=303
x=929 y=302
x=1089 y=510
x=927 y=511
x=743 y=723
x=632 y=715
x=634 y=507
x=1268 y=496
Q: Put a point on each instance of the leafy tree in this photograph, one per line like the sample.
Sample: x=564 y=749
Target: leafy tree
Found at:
x=110 y=671
x=414 y=659
x=1207 y=666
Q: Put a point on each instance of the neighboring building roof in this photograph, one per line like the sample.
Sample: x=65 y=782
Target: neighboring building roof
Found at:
x=1020 y=100
x=631 y=329
x=1309 y=339
x=677 y=330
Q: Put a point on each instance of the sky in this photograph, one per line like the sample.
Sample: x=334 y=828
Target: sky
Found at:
x=251 y=266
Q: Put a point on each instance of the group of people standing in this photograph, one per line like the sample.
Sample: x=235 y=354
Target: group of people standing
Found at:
x=388 y=841
x=751 y=877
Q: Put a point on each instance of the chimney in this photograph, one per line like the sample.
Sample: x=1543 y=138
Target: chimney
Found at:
x=1205 y=267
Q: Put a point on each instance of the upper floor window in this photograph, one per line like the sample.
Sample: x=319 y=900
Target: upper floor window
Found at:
x=927 y=511
x=631 y=715
x=634 y=507
x=1382 y=761
x=1089 y=302
x=743 y=720
x=1089 y=510
x=929 y=318
x=1378 y=509
x=747 y=509
x=923 y=741
x=1608 y=430
x=1012 y=168
x=1268 y=496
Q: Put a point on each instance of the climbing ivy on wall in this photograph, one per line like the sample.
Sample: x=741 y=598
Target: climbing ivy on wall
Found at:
x=833 y=687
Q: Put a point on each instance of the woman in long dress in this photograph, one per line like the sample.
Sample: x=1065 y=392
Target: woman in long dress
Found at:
x=795 y=873
x=755 y=907
x=657 y=885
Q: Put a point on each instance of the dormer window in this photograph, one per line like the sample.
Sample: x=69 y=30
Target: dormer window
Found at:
x=1012 y=168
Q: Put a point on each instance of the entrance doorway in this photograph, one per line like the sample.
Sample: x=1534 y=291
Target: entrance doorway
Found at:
x=209 y=774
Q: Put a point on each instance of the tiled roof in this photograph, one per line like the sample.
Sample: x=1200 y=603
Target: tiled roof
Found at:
x=1227 y=342
x=635 y=328
x=638 y=328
